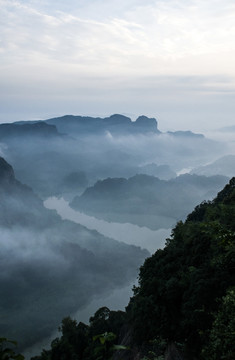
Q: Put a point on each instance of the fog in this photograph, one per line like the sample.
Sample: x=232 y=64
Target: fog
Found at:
x=121 y=179
x=128 y=233
x=45 y=279
x=116 y=299
x=50 y=268
x=54 y=164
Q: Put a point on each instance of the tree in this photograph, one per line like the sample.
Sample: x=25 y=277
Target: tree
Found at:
x=6 y=350
x=221 y=344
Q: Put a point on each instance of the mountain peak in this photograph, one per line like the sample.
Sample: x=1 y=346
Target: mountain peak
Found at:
x=150 y=124
x=119 y=119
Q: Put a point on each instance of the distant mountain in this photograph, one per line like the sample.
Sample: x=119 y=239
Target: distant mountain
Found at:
x=115 y=124
x=49 y=268
x=146 y=200
x=44 y=154
x=80 y=125
x=223 y=166
x=184 y=134
x=16 y=130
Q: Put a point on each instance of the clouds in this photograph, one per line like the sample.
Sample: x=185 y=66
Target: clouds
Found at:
x=150 y=38
x=82 y=48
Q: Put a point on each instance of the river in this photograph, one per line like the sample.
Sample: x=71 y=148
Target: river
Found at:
x=128 y=233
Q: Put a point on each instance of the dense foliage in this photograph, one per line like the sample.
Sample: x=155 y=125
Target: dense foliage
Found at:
x=7 y=351
x=94 y=341
x=185 y=297
x=185 y=288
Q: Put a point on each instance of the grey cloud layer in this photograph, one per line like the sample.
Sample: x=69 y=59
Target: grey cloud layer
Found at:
x=68 y=57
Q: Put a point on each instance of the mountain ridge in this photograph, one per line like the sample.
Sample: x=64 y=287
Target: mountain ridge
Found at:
x=115 y=123
x=49 y=266
x=146 y=200
x=184 y=304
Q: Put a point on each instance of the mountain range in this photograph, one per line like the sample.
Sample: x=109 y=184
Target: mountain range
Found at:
x=50 y=267
x=49 y=155
x=146 y=200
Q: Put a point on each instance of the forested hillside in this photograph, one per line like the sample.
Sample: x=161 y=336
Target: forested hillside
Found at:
x=185 y=301
x=184 y=288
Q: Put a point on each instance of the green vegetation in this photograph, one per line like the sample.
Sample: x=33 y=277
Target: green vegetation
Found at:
x=185 y=301
x=186 y=290
x=94 y=342
x=7 y=351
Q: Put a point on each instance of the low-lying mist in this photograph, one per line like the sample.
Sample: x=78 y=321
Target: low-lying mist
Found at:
x=127 y=233
x=49 y=268
x=124 y=177
x=70 y=156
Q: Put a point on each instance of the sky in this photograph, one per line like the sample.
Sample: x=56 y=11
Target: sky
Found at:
x=169 y=59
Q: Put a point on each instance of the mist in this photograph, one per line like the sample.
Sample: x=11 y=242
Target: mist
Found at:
x=49 y=267
x=127 y=233
x=80 y=151
x=121 y=179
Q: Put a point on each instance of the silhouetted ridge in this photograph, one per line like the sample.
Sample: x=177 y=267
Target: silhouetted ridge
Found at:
x=227 y=195
x=184 y=134
x=40 y=128
x=144 y=122
x=117 y=119
x=116 y=124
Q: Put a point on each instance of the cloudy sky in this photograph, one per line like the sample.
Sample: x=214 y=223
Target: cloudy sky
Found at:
x=171 y=59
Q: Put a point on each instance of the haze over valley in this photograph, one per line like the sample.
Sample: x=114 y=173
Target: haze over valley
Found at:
x=115 y=187
x=117 y=165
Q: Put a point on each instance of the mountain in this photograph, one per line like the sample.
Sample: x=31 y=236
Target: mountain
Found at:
x=146 y=200
x=44 y=154
x=222 y=166
x=184 y=304
x=185 y=134
x=50 y=268
x=187 y=289
x=15 y=130
x=115 y=124
x=79 y=125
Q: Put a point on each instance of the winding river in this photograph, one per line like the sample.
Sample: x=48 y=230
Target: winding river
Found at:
x=128 y=233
